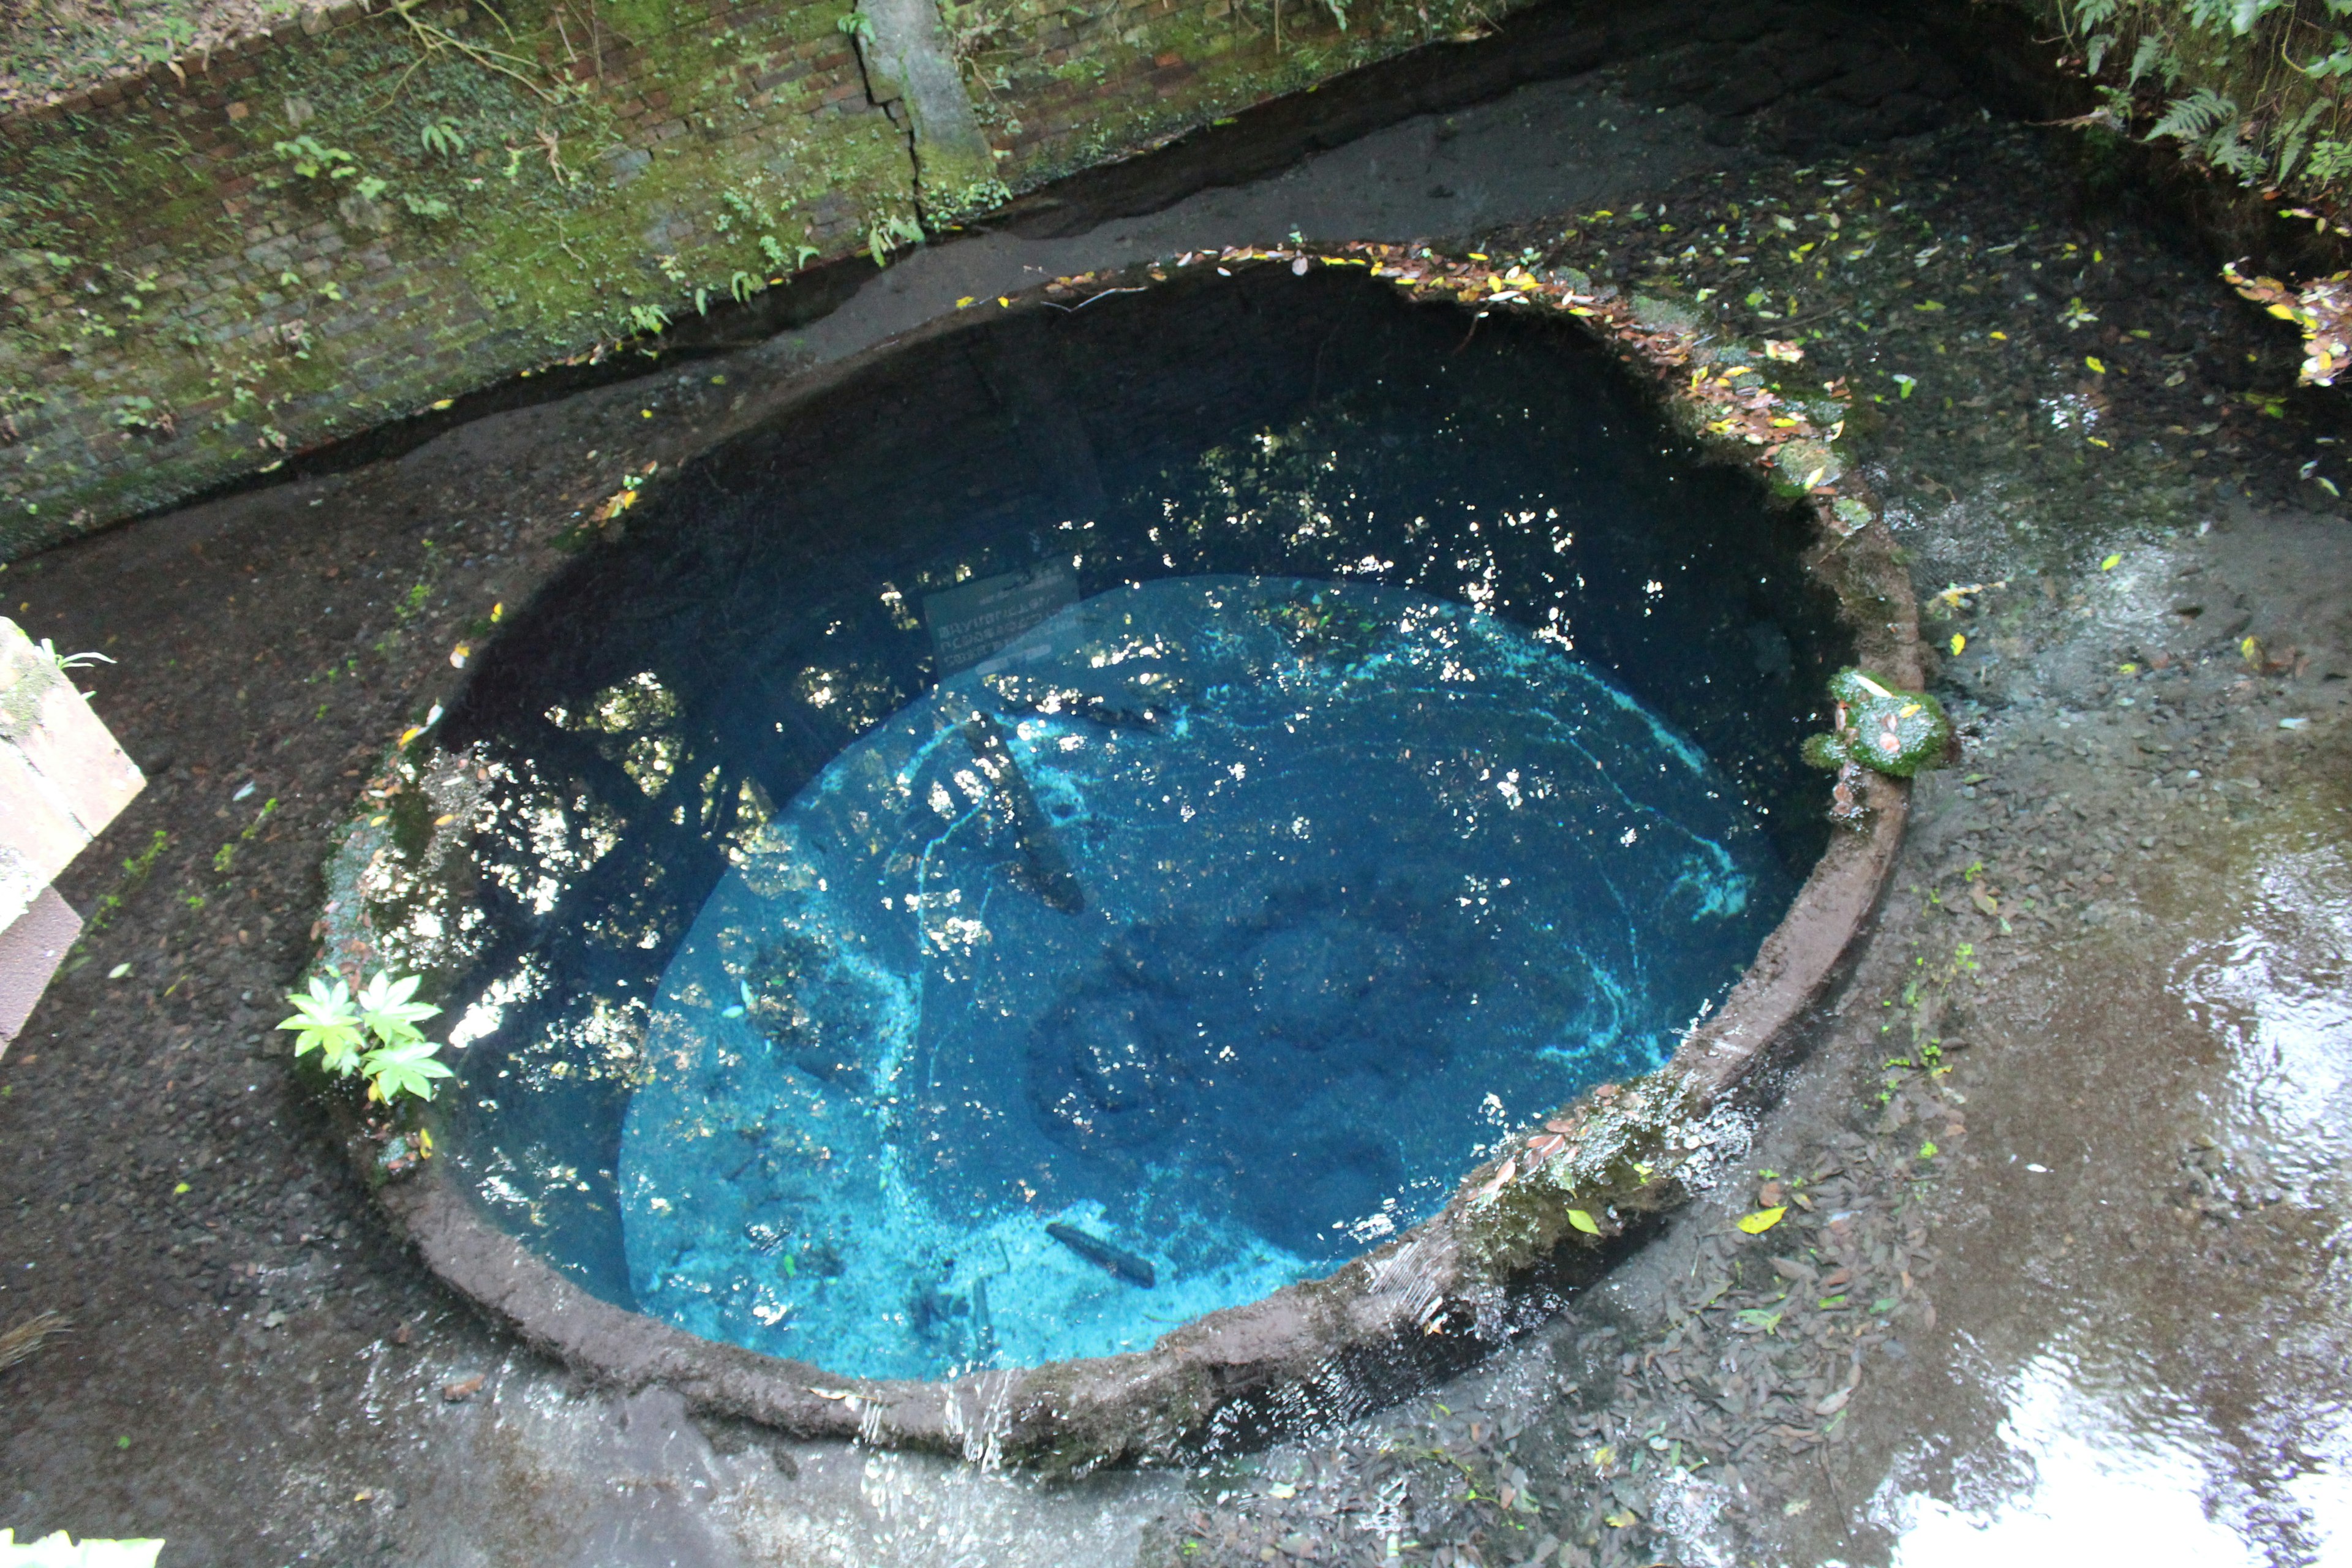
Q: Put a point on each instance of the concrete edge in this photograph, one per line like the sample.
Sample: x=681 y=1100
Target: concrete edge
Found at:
x=1547 y=1217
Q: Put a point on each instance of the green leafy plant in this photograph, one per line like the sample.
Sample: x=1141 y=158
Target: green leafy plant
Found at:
x=374 y=1034
x=310 y=159
x=65 y=661
x=888 y=232
x=441 y=138
x=856 y=25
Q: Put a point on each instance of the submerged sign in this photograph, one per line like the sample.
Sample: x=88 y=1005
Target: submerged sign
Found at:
x=972 y=620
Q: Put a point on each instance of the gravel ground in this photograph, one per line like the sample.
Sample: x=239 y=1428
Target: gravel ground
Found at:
x=258 y=1374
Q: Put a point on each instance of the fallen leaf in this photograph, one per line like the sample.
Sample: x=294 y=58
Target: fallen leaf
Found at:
x=2111 y=562
x=1583 y=1222
x=1762 y=1220
x=459 y=1393
x=1984 y=901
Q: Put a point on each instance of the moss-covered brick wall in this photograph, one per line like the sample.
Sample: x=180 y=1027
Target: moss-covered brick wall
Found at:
x=234 y=258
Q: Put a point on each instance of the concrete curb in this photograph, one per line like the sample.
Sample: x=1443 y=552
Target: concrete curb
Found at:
x=1547 y=1216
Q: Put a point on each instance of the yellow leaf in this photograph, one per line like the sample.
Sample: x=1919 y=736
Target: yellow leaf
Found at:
x=410 y=733
x=1762 y=1220
x=1583 y=1222
x=2251 y=650
x=1604 y=1457
x=183 y=1188
x=2111 y=562
x=498 y=612
x=444 y=403
x=2127 y=669
x=965 y=302
x=1959 y=642
x=2093 y=360
x=1998 y=337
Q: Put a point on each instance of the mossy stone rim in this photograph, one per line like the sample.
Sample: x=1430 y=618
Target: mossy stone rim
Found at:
x=1547 y=1217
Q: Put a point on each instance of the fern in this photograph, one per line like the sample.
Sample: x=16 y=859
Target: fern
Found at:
x=2290 y=143
x=2224 y=150
x=2155 y=56
x=2193 y=119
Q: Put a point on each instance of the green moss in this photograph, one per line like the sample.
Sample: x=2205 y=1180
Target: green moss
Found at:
x=527 y=217
x=1620 y=1158
x=1890 y=731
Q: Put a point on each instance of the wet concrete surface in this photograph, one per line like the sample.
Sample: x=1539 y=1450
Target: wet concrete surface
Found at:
x=2091 y=1298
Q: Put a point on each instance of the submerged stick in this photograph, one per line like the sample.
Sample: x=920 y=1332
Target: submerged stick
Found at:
x=1041 y=849
x=1096 y=1250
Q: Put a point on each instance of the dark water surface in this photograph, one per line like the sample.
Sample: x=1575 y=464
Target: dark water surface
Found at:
x=1408 y=740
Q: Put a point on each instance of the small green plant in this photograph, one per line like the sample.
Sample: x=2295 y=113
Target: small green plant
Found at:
x=443 y=139
x=647 y=318
x=311 y=160
x=340 y=1027
x=856 y=25
x=888 y=232
x=66 y=661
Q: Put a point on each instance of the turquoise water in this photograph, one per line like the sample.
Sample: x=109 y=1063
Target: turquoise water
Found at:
x=1216 y=923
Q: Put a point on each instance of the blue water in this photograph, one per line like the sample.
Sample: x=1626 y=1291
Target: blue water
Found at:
x=1220 y=920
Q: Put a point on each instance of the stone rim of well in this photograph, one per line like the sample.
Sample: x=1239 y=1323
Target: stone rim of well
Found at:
x=1547 y=1214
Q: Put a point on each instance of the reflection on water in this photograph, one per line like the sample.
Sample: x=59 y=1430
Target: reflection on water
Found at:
x=2103 y=1485
x=2191 y=1409
x=2278 y=991
x=1175 y=953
